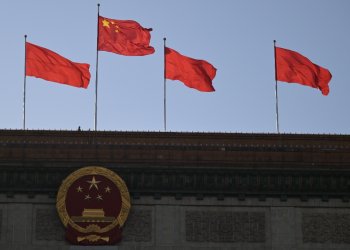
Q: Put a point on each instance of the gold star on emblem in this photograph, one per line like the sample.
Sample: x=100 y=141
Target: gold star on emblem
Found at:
x=79 y=189
x=87 y=197
x=105 y=23
x=107 y=190
x=93 y=183
x=99 y=197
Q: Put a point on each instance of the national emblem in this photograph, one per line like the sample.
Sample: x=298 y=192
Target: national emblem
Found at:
x=91 y=215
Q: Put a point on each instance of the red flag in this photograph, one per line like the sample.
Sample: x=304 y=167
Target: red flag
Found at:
x=124 y=37
x=48 y=65
x=197 y=74
x=294 y=67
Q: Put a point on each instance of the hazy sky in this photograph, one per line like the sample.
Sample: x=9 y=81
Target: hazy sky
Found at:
x=235 y=36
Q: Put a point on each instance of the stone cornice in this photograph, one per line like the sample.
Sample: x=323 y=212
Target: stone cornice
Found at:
x=171 y=138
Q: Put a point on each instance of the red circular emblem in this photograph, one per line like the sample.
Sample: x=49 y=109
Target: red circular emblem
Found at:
x=93 y=204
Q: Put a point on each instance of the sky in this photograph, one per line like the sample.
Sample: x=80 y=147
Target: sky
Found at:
x=235 y=36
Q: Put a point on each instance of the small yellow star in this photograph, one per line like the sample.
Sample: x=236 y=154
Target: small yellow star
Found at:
x=87 y=197
x=105 y=23
x=99 y=197
x=93 y=183
x=107 y=190
x=79 y=189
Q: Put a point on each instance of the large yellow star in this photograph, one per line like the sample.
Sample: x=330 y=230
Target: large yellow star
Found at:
x=105 y=23
x=93 y=183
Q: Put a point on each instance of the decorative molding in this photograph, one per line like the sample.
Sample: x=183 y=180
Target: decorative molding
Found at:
x=48 y=227
x=194 y=181
x=212 y=226
x=138 y=227
x=332 y=228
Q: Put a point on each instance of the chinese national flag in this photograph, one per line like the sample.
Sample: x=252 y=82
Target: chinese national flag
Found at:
x=50 y=66
x=124 y=37
x=197 y=74
x=293 y=67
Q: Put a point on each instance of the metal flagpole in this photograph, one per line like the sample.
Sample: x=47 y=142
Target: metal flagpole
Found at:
x=164 y=85
x=276 y=90
x=96 y=78
x=25 y=82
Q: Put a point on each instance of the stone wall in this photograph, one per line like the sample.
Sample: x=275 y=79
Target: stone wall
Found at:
x=188 y=223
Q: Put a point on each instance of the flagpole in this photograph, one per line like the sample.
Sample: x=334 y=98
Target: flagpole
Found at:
x=96 y=78
x=25 y=82
x=276 y=89
x=164 y=39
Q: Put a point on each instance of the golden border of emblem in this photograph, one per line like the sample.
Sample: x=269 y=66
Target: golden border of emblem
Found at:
x=93 y=170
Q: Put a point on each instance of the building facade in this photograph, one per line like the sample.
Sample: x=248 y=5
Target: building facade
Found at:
x=207 y=191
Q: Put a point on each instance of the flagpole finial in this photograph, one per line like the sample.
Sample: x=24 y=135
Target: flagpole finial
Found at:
x=25 y=36
x=98 y=5
x=164 y=38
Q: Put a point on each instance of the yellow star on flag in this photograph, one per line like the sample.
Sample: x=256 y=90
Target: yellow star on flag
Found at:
x=105 y=23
